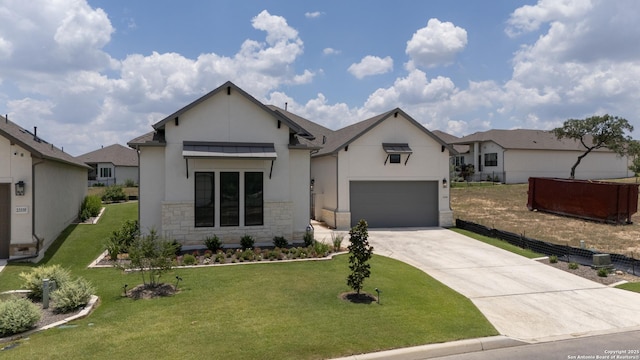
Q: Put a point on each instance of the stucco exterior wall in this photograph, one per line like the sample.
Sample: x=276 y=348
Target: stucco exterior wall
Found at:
x=151 y=189
x=124 y=173
x=323 y=172
x=522 y=164
x=59 y=192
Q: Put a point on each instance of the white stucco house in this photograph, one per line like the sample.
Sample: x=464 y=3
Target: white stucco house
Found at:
x=41 y=190
x=114 y=164
x=389 y=170
x=512 y=156
x=226 y=165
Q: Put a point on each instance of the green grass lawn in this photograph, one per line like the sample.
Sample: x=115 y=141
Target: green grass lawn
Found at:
x=500 y=243
x=253 y=311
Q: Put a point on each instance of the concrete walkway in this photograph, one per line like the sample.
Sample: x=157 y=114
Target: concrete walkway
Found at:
x=522 y=298
x=3 y=263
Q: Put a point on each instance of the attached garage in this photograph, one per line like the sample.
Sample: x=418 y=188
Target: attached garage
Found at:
x=386 y=204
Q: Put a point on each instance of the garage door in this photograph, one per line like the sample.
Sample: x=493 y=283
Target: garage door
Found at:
x=394 y=203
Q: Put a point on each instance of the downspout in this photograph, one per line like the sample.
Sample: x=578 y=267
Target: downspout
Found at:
x=335 y=211
x=33 y=216
x=139 y=184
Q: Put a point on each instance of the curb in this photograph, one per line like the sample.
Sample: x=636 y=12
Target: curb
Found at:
x=441 y=349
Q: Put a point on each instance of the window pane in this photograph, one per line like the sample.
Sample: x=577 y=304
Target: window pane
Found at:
x=491 y=159
x=394 y=158
x=253 y=203
x=229 y=199
x=204 y=196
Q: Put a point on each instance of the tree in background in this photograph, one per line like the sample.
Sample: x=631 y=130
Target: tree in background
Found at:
x=597 y=132
x=359 y=254
x=634 y=150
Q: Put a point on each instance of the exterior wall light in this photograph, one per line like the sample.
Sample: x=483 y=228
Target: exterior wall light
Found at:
x=444 y=183
x=20 y=186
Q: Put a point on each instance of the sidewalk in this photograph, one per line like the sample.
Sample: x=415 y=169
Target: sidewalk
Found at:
x=3 y=263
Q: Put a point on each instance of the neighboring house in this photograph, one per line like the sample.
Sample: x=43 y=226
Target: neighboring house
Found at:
x=41 y=190
x=114 y=164
x=389 y=170
x=226 y=165
x=512 y=156
x=460 y=158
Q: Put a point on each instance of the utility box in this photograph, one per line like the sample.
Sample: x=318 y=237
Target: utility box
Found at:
x=602 y=261
x=609 y=202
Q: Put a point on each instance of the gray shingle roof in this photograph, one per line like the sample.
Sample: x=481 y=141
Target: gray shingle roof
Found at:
x=450 y=139
x=116 y=154
x=38 y=147
x=524 y=139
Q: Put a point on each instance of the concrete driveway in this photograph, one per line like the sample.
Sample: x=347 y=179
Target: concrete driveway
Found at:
x=522 y=298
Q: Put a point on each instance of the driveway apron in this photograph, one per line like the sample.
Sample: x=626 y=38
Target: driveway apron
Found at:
x=522 y=298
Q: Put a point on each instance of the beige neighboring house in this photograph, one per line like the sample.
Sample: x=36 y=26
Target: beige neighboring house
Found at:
x=226 y=165
x=389 y=170
x=512 y=156
x=114 y=164
x=41 y=190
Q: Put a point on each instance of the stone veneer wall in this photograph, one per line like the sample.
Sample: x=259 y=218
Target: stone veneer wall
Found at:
x=446 y=219
x=178 y=223
x=343 y=219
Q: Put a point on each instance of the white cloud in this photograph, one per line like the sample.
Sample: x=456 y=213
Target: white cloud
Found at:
x=330 y=51
x=371 y=65
x=436 y=44
x=313 y=15
x=276 y=27
x=530 y=17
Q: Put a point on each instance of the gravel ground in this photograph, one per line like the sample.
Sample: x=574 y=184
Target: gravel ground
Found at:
x=588 y=273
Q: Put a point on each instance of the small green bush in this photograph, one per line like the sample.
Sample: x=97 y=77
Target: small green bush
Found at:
x=129 y=183
x=189 y=259
x=603 y=272
x=33 y=279
x=553 y=259
x=321 y=249
x=280 y=242
x=213 y=243
x=72 y=295
x=336 y=240
x=17 y=315
x=573 y=266
x=90 y=207
x=246 y=242
x=308 y=238
x=113 y=193
x=120 y=240
x=221 y=258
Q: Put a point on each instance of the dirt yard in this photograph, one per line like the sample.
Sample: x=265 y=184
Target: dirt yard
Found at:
x=504 y=207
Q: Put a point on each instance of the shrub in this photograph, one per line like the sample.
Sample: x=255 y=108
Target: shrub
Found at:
x=321 y=249
x=308 y=238
x=221 y=258
x=120 y=240
x=247 y=241
x=280 y=242
x=213 y=243
x=247 y=255
x=90 y=207
x=573 y=266
x=33 y=279
x=553 y=259
x=603 y=272
x=189 y=259
x=176 y=245
x=151 y=255
x=17 y=315
x=359 y=254
x=72 y=295
x=114 y=193
x=129 y=183
x=336 y=240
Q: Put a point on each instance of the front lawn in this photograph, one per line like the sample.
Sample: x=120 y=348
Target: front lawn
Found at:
x=254 y=311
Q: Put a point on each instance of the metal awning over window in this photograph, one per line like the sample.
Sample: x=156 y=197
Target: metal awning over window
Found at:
x=193 y=149
x=228 y=150
x=396 y=149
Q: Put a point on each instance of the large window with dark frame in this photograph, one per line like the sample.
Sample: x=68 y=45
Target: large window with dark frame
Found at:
x=229 y=199
x=491 y=159
x=204 y=199
x=253 y=201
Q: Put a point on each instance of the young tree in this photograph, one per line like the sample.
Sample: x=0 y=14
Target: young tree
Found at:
x=151 y=254
x=359 y=253
x=634 y=150
x=605 y=131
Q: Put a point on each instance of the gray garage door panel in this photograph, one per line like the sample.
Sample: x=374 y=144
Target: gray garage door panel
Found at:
x=394 y=203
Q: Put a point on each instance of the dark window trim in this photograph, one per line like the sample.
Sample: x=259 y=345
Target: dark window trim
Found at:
x=246 y=199
x=223 y=209
x=491 y=160
x=213 y=200
x=394 y=158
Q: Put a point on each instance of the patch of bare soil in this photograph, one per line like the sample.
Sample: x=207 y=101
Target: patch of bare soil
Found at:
x=362 y=298
x=143 y=291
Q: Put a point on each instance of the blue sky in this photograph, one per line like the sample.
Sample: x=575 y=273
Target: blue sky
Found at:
x=98 y=72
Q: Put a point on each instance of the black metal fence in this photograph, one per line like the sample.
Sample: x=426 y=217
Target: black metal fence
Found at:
x=563 y=252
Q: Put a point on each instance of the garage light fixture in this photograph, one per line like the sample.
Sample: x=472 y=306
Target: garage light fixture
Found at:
x=20 y=186
x=444 y=183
